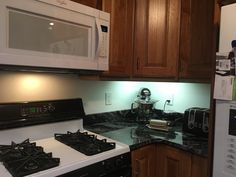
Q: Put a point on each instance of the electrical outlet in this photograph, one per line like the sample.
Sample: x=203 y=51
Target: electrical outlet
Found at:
x=171 y=98
x=108 y=98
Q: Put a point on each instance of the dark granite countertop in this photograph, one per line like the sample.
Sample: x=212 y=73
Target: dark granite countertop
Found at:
x=117 y=126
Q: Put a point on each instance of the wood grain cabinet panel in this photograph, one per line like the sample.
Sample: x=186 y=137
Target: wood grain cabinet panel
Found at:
x=165 y=161
x=121 y=36
x=144 y=161
x=199 y=166
x=156 y=38
x=173 y=162
x=196 y=39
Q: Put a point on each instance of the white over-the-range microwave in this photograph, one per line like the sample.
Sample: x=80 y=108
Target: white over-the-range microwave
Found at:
x=53 y=34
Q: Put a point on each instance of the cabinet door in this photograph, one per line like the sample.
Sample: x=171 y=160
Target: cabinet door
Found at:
x=196 y=40
x=144 y=162
x=121 y=36
x=92 y=3
x=199 y=166
x=173 y=162
x=156 y=38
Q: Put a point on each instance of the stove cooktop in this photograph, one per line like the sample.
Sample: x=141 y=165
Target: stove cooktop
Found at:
x=70 y=159
x=26 y=158
x=85 y=143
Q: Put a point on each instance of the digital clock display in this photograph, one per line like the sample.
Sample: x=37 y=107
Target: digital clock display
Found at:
x=38 y=109
x=32 y=110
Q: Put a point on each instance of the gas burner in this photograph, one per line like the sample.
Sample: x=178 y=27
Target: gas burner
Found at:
x=26 y=158
x=85 y=143
x=16 y=151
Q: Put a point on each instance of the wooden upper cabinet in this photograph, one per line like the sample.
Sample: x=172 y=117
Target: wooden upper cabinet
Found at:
x=156 y=38
x=196 y=39
x=173 y=162
x=167 y=39
x=92 y=3
x=121 y=36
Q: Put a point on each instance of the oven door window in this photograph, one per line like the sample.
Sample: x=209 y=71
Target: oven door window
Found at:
x=34 y=32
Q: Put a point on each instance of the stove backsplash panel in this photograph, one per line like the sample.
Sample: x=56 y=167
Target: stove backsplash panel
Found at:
x=23 y=114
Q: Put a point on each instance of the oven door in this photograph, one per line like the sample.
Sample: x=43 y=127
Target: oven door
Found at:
x=119 y=166
x=87 y=172
x=126 y=172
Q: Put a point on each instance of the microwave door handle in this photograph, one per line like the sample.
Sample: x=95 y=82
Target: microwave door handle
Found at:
x=99 y=38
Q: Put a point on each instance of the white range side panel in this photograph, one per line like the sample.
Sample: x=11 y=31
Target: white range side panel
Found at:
x=227 y=28
x=223 y=140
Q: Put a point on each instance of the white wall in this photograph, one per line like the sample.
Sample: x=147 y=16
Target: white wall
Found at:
x=15 y=87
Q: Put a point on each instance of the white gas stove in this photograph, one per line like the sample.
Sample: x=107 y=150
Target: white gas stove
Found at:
x=70 y=159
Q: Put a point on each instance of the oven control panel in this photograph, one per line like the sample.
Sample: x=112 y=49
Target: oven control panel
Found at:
x=230 y=155
x=230 y=148
x=15 y=115
x=37 y=109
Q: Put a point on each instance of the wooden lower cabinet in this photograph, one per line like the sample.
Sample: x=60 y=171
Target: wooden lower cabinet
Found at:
x=166 y=161
x=199 y=166
x=144 y=161
x=172 y=162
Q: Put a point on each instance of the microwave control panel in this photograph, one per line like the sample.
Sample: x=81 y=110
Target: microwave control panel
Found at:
x=103 y=50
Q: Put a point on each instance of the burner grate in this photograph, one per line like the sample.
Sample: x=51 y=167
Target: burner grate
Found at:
x=26 y=158
x=85 y=143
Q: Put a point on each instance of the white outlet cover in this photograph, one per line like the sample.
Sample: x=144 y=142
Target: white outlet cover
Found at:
x=171 y=98
x=108 y=98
